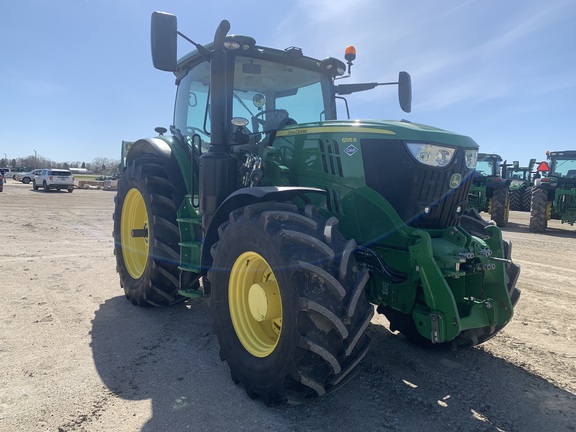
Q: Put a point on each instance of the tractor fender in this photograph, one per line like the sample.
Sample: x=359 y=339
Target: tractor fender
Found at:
x=243 y=197
x=504 y=183
x=162 y=148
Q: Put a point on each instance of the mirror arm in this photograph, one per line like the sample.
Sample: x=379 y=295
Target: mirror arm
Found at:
x=343 y=89
x=201 y=49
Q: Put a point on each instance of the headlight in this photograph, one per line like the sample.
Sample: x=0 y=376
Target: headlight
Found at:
x=471 y=156
x=431 y=155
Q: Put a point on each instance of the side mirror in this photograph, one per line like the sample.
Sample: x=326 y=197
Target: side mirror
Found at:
x=515 y=165
x=405 y=91
x=164 y=31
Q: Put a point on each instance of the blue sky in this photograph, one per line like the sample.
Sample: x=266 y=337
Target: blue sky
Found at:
x=76 y=76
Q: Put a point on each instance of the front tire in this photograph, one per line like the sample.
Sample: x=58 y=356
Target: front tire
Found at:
x=290 y=310
x=146 y=234
x=34 y=185
x=539 y=210
x=26 y=180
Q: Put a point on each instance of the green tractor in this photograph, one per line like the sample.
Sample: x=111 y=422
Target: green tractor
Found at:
x=520 y=188
x=554 y=196
x=295 y=222
x=489 y=191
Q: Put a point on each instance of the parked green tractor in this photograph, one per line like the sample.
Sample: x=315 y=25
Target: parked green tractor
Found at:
x=295 y=220
x=489 y=191
x=554 y=196
x=520 y=188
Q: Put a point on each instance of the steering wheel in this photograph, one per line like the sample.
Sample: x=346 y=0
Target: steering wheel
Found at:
x=273 y=122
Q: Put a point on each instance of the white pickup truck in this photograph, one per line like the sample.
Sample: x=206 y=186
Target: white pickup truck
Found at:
x=11 y=172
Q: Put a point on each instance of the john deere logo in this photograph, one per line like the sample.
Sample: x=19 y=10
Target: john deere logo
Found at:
x=455 y=180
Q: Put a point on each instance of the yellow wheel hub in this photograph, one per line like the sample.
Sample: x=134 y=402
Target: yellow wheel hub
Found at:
x=255 y=304
x=134 y=233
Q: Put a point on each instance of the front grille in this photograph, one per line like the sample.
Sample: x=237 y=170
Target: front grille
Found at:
x=411 y=187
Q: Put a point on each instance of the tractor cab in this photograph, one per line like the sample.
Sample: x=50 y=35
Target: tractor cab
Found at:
x=520 y=187
x=554 y=196
x=269 y=90
x=487 y=166
x=489 y=191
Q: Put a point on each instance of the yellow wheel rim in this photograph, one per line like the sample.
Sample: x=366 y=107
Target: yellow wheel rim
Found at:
x=134 y=233
x=255 y=304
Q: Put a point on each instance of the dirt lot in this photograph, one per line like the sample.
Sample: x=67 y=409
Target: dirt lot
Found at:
x=76 y=356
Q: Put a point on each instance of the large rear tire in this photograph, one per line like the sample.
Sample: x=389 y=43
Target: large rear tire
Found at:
x=515 y=200
x=539 y=210
x=146 y=234
x=500 y=206
x=290 y=310
x=526 y=198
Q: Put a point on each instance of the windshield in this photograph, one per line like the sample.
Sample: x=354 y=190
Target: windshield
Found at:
x=261 y=86
x=486 y=167
x=518 y=174
x=265 y=92
x=563 y=168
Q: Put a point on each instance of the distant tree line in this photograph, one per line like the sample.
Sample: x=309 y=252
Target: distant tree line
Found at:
x=102 y=166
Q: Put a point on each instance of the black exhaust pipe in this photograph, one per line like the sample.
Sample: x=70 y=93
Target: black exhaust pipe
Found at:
x=218 y=172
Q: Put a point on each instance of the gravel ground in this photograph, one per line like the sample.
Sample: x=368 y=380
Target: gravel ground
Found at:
x=76 y=356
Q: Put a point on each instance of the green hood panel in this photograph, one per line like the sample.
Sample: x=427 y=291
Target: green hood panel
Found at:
x=397 y=129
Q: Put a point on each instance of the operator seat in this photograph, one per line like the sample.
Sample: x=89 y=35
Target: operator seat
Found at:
x=571 y=174
x=271 y=135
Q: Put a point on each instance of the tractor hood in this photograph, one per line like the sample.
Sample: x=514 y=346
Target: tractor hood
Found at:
x=399 y=129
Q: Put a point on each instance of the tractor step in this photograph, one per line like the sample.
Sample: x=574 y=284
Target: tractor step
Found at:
x=191 y=293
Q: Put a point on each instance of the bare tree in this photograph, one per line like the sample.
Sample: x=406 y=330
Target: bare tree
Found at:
x=99 y=165
x=103 y=166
